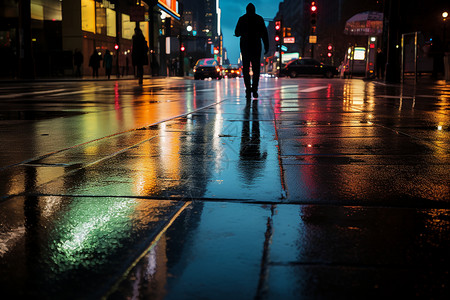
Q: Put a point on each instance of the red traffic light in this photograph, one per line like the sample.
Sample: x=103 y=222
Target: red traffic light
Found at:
x=116 y=47
x=313 y=6
x=330 y=47
x=277 y=25
x=182 y=48
x=277 y=38
x=330 y=54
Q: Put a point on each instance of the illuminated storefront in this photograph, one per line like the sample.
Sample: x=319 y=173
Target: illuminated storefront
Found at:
x=59 y=28
x=105 y=23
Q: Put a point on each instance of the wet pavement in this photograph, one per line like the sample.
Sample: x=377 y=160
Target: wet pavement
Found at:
x=182 y=189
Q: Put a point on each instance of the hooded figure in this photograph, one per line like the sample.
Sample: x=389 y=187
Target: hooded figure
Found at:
x=139 y=53
x=252 y=29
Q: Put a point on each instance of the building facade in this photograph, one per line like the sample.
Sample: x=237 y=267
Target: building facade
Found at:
x=57 y=29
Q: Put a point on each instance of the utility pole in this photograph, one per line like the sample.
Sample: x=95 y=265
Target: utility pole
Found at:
x=313 y=36
x=278 y=40
x=26 y=60
x=152 y=14
x=181 y=56
x=391 y=15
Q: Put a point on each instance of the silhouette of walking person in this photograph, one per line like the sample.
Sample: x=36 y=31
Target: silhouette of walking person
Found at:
x=252 y=30
x=139 y=54
x=107 y=63
x=78 y=60
x=94 y=63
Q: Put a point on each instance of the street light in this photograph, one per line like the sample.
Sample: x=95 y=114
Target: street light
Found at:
x=444 y=17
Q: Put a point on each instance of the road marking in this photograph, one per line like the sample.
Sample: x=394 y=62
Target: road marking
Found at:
x=313 y=89
x=280 y=88
x=286 y=87
x=30 y=93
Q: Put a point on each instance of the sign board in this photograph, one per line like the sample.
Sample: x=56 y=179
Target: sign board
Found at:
x=287 y=57
x=313 y=39
x=289 y=40
x=170 y=7
x=284 y=48
x=137 y=14
x=167 y=44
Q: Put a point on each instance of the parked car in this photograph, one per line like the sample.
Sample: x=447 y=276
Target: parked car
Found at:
x=207 y=67
x=232 y=71
x=308 y=66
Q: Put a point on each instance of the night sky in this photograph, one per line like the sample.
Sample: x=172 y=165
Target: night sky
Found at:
x=231 y=11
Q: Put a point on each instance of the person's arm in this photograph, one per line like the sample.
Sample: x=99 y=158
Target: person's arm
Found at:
x=238 y=30
x=264 y=36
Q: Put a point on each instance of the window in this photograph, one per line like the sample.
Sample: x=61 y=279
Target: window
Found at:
x=127 y=27
x=144 y=28
x=88 y=15
x=110 y=22
x=37 y=11
x=100 y=18
x=46 y=10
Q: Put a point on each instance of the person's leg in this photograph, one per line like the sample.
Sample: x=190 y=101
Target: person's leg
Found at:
x=246 y=73
x=140 y=73
x=256 y=60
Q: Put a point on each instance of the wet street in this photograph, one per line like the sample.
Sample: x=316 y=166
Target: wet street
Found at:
x=182 y=189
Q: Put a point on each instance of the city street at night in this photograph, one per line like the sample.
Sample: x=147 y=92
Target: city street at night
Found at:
x=183 y=189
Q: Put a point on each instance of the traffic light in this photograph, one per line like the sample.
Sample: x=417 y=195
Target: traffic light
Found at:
x=116 y=46
x=278 y=31
x=313 y=14
x=182 y=48
x=330 y=50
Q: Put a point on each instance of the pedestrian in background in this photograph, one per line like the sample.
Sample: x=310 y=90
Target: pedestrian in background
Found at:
x=94 y=63
x=107 y=63
x=123 y=65
x=252 y=29
x=139 y=53
x=380 y=61
x=78 y=60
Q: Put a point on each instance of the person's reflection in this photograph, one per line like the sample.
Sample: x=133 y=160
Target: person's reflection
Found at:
x=32 y=234
x=251 y=160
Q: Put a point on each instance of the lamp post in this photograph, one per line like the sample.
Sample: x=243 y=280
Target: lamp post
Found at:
x=444 y=18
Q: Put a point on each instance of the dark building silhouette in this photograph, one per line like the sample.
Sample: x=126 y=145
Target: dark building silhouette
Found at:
x=332 y=15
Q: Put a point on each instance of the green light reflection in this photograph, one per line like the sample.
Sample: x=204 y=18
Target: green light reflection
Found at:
x=90 y=231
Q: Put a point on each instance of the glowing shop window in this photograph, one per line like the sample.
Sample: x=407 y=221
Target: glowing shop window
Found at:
x=144 y=28
x=110 y=22
x=100 y=18
x=360 y=53
x=88 y=15
x=37 y=11
x=127 y=27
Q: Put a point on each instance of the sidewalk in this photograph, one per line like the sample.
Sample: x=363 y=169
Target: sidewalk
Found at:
x=84 y=78
x=365 y=214
x=320 y=189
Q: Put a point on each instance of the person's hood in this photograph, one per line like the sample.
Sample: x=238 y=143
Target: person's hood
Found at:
x=251 y=10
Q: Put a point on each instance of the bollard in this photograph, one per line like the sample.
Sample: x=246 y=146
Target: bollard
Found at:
x=447 y=66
